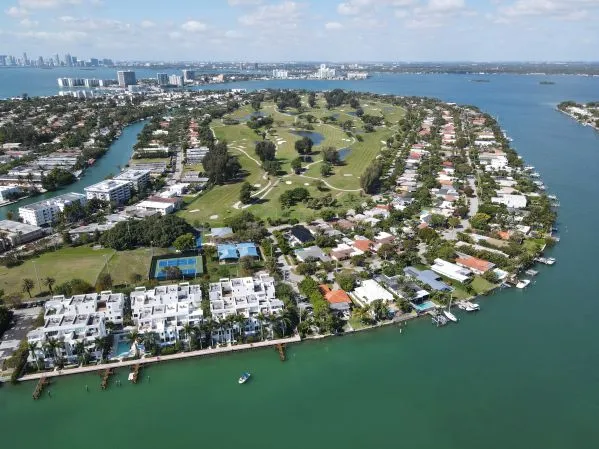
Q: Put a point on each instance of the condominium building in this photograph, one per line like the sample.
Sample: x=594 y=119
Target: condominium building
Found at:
x=46 y=212
x=9 y=192
x=280 y=74
x=138 y=178
x=246 y=296
x=166 y=309
x=112 y=190
x=189 y=75
x=15 y=233
x=126 y=78
x=196 y=155
x=70 y=322
x=176 y=80
x=162 y=79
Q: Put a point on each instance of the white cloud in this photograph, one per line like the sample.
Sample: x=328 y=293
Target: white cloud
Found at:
x=233 y=34
x=565 y=9
x=244 y=2
x=286 y=13
x=27 y=23
x=86 y=24
x=47 y=4
x=147 y=24
x=194 y=26
x=51 y=36
x=353 y=7
x=445 y=5
x=15 y=11
x=333 y=26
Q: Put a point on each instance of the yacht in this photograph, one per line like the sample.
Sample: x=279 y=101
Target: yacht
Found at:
x=450 y=316
x=523 y=283
x=472 y=307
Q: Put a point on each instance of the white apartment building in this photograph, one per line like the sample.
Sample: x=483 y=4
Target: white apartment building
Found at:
x=45 y=212
x=196 y=155
x=324 y=72
x=280 y=74
x=243 y=296
x=105 y=303
x=6 y=192
x=67 y=330
x=113 y=190
x=166 y=309
x=176 y=80
x=138 y=178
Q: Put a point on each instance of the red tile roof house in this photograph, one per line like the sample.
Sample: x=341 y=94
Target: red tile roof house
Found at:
x=478 y=266
x=363 y=244
x=337 y=299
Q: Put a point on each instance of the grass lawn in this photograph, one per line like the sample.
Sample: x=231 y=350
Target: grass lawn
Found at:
x=148 y=160
x=481 y=285
x=124 y=263
x=63 y=265
x=355 y=323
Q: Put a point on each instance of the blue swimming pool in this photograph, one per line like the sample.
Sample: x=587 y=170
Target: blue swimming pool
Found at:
x=122 y=348
x=424 y=306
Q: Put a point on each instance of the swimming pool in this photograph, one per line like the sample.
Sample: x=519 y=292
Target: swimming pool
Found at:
x=123 y=348
x=424 y=306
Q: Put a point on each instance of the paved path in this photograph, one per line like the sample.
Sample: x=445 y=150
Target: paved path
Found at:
x=329 y=185
x=144 y=361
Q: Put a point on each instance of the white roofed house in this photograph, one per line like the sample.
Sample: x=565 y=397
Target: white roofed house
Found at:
x=370 y=291
x=452 y=271
x=252 y=298
x=511 y=201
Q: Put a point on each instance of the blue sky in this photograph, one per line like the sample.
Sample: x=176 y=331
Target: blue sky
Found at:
x=296 y=30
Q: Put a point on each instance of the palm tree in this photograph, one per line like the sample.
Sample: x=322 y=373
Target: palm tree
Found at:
x=32 y=346
x=261 y=319
x=51 y=346
x=80 y=351
x=49 y=282
x=188 y=330
x=132 y=336
x=150 y=341
x=26 y=286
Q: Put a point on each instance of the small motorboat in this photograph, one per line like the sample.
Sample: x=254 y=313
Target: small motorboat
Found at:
x=472 y=307
x=244 y=378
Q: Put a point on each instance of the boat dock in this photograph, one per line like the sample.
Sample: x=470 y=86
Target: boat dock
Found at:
x=41 y=384
x=281 y=348
x=105 y=377
x=134 y=374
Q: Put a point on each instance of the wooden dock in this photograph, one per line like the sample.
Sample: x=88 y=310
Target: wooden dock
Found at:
x=105 y=377
x=134 y=374
x=41 y=384
x=281 y=349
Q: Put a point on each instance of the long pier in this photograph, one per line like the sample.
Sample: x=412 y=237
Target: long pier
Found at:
x=178 y=356
x=43 y=381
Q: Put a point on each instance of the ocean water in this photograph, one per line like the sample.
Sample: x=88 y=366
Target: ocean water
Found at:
x=521 y=373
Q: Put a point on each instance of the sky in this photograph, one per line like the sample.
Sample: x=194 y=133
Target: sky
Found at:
x=303 y=30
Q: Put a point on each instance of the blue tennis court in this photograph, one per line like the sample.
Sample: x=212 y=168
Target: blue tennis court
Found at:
x=189 y=266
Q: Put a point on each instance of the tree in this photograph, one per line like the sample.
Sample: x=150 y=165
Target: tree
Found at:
x=49 y=282
x=453 y=222
x=304 y=145
x=346 y=280
x=271 y=167
x=173 y=273
x=437 y=221
x=480 y=221
x=326 y=169
x=104 y=282
x=491 y=277
x=311 y=99
x=266 y=150
x=219 y=165
x=32 y=347
x=386 y=251
x=26 y=285
x=296 y=165
x=369 y=181
x=246 y=264
x=331 y=155
x=185 y=242
x=245 y=195
x=380 y=309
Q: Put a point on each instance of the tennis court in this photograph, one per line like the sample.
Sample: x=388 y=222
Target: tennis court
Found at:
x=189 y=266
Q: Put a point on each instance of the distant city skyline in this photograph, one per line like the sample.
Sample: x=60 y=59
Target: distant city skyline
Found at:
x=303 y=30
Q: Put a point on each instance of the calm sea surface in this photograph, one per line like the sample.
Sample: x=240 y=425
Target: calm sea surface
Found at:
x=522 y=373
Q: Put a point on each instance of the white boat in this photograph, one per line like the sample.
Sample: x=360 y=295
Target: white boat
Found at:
x=450 y=316
x=244 y=378
x=472 y=307
x=523 y=283
x=550 y=260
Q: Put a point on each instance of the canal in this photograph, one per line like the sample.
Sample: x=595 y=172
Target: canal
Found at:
x=111 y=163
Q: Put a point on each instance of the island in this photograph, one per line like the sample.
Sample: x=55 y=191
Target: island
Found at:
x=586 y=114
x=251 y=219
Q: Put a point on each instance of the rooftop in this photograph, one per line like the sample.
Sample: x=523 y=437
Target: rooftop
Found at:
x=107 y=185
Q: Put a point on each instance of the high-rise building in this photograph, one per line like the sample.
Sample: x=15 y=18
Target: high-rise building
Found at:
x=68 y=60
x=162 y=79
x=25 y=59
x=126 y=78
x=188 y=75
x=280 y=74
x=93 y=62
x=176 y=80
x=2 y=59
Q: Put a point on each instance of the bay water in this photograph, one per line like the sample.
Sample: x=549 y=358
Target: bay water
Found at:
x=521 y=373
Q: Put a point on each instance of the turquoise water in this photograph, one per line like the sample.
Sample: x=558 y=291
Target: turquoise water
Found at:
x=521 y=373
x=111 y=163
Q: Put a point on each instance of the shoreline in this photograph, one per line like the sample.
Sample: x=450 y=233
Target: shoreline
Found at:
x=157 y=359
